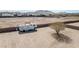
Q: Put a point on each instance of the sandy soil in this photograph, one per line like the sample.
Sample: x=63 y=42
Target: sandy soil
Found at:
x=13 y=22
x=43 y=38
x=75 y=24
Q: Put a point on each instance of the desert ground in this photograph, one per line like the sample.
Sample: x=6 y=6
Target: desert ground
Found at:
x=42 y=38
x=13 y=22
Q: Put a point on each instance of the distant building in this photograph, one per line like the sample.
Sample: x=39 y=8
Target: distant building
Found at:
x=6 y=14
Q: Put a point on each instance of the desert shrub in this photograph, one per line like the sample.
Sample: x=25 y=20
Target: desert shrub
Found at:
x=58 y=26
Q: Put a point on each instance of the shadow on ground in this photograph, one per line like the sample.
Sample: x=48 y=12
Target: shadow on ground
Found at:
x=27 y=32
x=62 y=38
x=73 y=27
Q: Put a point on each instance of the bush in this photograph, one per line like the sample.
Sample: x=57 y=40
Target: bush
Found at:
x=58 y=26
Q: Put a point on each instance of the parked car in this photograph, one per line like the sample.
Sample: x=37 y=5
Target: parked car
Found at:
x=26 y=27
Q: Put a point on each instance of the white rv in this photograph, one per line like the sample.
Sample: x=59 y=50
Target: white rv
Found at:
x=26 y=27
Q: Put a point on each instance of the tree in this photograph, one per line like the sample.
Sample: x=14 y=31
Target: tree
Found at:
x=58 y=26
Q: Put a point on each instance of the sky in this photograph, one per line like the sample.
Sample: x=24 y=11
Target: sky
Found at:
x=67 y=11
x=57 y=5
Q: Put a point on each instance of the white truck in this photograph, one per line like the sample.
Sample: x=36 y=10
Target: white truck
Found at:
x=26 y=27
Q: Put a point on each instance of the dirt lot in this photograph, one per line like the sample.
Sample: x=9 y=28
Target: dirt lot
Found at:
x=43 y=38
x=74 y=24
x=13 y=22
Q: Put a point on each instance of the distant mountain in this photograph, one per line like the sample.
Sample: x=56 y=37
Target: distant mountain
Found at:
x=41 y=12
x=37 y=13
x=44 y=12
